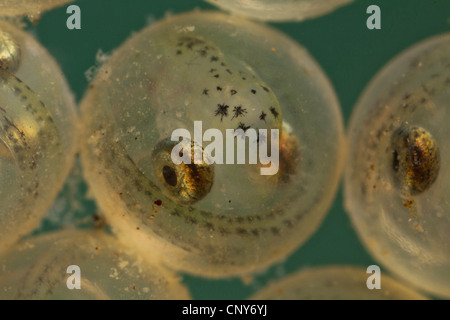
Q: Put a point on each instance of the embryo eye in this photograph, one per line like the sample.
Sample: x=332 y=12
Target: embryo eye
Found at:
x=10 y=54
x=416 y=159
x=186 y=183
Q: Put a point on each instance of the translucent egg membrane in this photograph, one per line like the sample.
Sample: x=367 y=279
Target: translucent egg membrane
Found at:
x=51 y=266
x=220 y=219
x=37 y=132
x=280 y=10
x=335 y=283
x=32 y=8
x=397 y=178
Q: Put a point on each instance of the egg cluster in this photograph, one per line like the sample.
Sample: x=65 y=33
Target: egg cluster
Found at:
x=220 y=213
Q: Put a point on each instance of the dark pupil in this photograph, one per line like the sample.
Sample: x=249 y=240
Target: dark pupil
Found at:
x=395 y=161
x=170 y=176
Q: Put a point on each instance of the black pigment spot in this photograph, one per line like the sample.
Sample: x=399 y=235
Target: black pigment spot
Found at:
x=395 y=161
x=242 y=126
x=170 y=176
x=238 y=111
x=262 y=116
x=221 y=111
x=274 y=112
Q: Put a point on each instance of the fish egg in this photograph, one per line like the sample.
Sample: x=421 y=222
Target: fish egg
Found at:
x=234 y=87
x=37 y=132
x=398 y=179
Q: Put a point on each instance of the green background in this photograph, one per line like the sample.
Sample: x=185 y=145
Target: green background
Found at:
x=349 y=53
